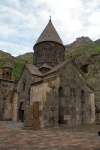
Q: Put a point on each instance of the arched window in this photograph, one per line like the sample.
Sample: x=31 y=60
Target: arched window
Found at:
x=29 y=94
x=57 y=57
x=24 y=84
x=82 y=96
x=45 y=54
x=72 y=92
x=7 y=74
x=60 y=108
x=60 y=92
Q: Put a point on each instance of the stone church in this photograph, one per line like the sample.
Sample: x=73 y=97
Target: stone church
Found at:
x=52 y=91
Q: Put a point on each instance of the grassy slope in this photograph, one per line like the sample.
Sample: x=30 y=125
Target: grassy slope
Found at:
x=19 y=63
x=93 y=49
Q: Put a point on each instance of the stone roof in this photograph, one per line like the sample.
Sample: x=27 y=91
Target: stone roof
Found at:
x=46 y=66
x=8 y=65
x=33 y=70
x=49 y=34
x=57 y=67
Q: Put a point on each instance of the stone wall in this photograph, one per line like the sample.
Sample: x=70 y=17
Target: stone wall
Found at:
x=24 y=86
x=15 y=107
x=77 y=99
x=46 y=95
x=7 y=100
x=28 y=117
x=91 y=69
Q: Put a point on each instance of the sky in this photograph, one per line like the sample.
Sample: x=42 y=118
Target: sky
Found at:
x=22 y=22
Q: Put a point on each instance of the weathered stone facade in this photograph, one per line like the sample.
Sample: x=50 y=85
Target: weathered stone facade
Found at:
x=62 y=99
x=89 y=65
x=8 y=96
x=27 y=77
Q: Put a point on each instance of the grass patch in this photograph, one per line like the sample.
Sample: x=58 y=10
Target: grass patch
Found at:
x=96 y=50
x=18 y=65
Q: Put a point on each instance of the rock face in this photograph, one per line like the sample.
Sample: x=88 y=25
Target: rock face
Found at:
x=81 y=41
x=5 y=55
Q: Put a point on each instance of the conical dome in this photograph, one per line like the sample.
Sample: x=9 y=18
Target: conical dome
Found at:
x=49 y=48
x=49 y=34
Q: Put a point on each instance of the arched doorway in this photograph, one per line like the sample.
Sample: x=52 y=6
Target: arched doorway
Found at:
x=60 y=108
x=21 y=111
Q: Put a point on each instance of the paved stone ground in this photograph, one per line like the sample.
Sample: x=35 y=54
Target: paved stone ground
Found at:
x=13 y=137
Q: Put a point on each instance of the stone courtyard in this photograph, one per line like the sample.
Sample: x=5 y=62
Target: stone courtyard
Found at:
x=14 y=137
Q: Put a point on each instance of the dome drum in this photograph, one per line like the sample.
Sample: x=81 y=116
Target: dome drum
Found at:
x=49 y=52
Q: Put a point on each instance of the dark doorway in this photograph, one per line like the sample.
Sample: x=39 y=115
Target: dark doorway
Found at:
x=60 y=108
x=83 y=101
x=21 y=112
x=85 y=68
x=60 y=115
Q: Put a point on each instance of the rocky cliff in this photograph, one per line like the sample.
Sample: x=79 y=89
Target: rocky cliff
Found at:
x=81 y=41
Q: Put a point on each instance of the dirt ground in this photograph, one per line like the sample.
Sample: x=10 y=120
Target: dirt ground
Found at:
x=83 y=137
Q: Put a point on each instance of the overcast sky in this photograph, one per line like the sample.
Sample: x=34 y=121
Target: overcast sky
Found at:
x=22 y=21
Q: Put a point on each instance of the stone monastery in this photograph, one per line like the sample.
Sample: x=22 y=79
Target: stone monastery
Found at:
x=50 y=91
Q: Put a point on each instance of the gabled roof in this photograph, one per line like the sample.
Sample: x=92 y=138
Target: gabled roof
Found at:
x=57 y=67
x=61 y=65
x=46 y=66
x=33 y=69
x=49 y=34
